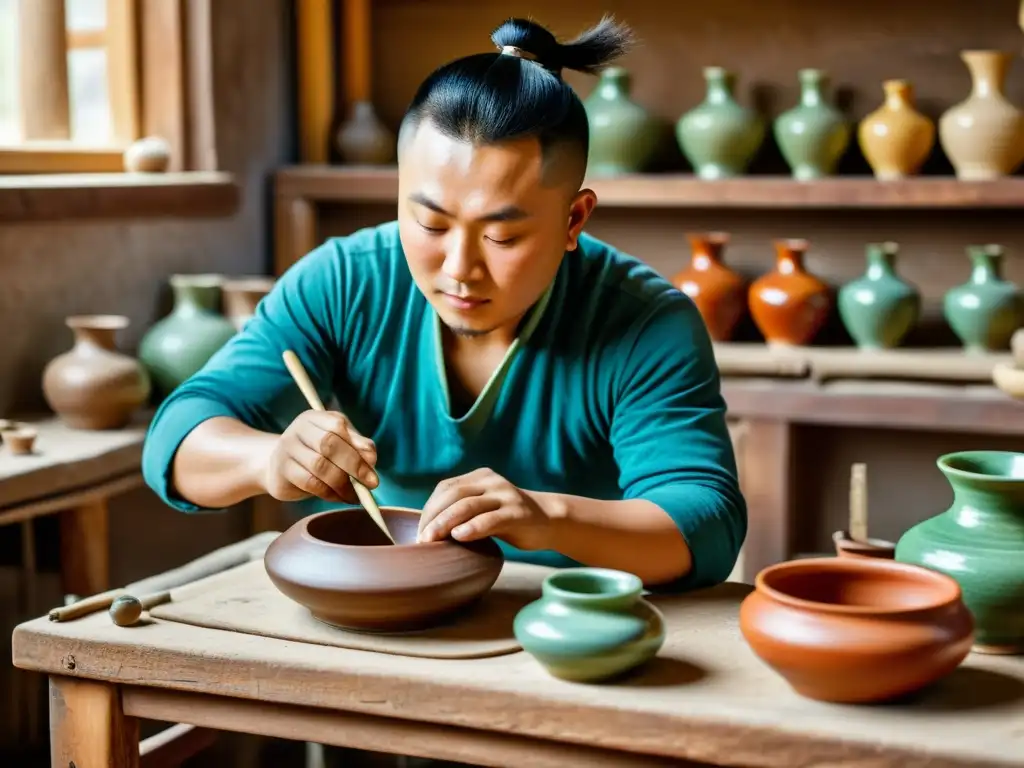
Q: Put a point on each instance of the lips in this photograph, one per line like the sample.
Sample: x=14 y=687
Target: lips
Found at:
x=463 y=302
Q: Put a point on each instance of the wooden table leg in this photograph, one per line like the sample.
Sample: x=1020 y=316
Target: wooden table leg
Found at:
x=768 y=488
x=85 y=549
x=88 y=727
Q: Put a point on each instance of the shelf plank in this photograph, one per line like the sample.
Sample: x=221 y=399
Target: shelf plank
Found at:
x=365 y=184
x=978 y=409
x=72 y=196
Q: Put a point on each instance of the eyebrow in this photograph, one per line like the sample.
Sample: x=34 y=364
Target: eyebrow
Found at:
x=508 y=213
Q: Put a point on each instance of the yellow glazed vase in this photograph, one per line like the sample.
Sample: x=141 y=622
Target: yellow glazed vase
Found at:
x=983 y=136
x=896 y=139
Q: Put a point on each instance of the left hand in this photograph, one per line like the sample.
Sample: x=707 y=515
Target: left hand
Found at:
x=482 y=503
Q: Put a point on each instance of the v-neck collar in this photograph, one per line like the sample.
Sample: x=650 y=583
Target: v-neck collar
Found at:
x=474 y=419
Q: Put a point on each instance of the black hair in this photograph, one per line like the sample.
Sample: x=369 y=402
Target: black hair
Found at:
x=491 y=97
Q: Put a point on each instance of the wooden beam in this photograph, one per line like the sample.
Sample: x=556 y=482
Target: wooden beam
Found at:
x=315 y=65
x=123 y=69
x=43 y=70
x=60 y=157
x=201 y=149
x=162 y=105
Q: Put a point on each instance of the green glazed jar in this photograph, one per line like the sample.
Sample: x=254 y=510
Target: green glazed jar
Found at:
x=623 y=136
x=985 y=310
x=179 y=345
x=879 y=308
x=813 y=135
x=720 y=137
x=590 y=624
x=979 y=541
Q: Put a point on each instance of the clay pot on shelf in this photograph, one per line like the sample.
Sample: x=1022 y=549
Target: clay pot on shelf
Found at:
x=856 y=630
x=93 y=385
x=983 y=135
x=719 y=137
x=879 y=308
x=789 y=305
x=242 y=295
x=341 y=566
x=624 y=137
x=363 y=139
x=20 y=441
x=813 y=135
x=979 y=541
x=150 y=154
x=847 y=546
x=896 y=139
x=177 y=346
x=985 y=310
x=590 y=624
x=719 y=292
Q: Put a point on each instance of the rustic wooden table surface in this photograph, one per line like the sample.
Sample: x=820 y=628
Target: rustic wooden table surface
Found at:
x=706 y=698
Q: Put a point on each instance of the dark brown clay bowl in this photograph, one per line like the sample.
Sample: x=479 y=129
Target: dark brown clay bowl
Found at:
x=847 y=546
x=856 y=630
x=341 y=567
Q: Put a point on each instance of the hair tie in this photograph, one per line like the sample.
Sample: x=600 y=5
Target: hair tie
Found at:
x=513 y=50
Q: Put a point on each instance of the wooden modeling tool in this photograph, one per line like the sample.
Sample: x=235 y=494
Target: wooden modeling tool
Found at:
x=859 y=502
x=301 y=378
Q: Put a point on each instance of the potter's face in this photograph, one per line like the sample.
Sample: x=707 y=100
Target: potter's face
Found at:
x=484 y=228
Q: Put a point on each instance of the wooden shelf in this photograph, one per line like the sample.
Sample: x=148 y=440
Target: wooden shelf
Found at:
x=71 y=196
x=979 y=409
x=354 y=184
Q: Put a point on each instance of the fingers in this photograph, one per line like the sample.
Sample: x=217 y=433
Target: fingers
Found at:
x=314 y=473
x=492 y=523
x=459 y=514
x=332 y=435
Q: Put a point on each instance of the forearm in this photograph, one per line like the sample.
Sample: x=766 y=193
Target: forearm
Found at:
x=635 y=535
x=221 y=463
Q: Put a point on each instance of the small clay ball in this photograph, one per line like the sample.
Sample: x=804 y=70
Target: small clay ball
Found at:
x=151 y=154
x=125 y=610
x=1017 y=345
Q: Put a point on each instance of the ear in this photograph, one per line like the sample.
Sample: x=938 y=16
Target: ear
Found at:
x=582 y=206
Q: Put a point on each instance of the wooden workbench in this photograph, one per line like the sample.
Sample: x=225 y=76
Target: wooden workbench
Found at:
x=706 y=698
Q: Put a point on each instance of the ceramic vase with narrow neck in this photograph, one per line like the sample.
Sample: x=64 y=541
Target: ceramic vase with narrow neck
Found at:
x=180 y=344
x=896 y=139
x=363 y=139
x=590 y=624
x=93 y=385
x=979 y=541
x=879 y=308
x=623 y=135
x=720 y=137
x=718 y=292
x=985 y=310
x=813 y=135
x=983 y=136
x=789 y=305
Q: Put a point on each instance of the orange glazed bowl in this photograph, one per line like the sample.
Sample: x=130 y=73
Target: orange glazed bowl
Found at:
x=856 y=630
x=341 y=567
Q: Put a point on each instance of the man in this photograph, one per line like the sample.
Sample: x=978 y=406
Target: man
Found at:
x=493 y=365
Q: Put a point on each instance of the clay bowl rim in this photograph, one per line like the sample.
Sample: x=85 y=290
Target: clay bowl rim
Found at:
x=628 y=585
x=945 y=462
x=196 y=280
x=941 y=582
x=98 y=322
x=843 y=537
x=427 y=545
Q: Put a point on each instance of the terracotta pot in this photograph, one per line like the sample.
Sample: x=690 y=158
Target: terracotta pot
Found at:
x=856 y=630
x=789 y=305
x=341 y=567
x=93 y=385
x=847 y=546
x=20 y=441
x=896 y=139
x=240 y=297
x=718 y=292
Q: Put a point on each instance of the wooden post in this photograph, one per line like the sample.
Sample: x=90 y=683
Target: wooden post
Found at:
x=123 y=69
x=85 y=548
x=316 y=82
x=767 y=473
x=43 y=70
x=88 y=726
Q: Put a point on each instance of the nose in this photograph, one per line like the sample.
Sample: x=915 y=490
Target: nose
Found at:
x=460 y=258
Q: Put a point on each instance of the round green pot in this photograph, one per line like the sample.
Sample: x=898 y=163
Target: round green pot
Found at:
x=590 y=624
x=720 y=137
x=879 y=308
x=624 y=137
x=979 y=541
x=813 y=135
x=180 y=344
x=985 y=310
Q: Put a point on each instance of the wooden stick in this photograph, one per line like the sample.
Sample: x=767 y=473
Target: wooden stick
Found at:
x=298 y=373
x=859 y=502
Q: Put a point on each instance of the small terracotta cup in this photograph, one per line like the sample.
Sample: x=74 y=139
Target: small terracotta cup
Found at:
x=20 y=440
x=846 y=546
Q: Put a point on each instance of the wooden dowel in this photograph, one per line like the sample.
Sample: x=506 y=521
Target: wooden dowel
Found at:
x=858 y=502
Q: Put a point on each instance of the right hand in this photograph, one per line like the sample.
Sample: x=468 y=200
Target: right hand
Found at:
x=315 y=456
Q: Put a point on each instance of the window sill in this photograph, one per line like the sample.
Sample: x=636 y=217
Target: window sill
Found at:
x=93 y=196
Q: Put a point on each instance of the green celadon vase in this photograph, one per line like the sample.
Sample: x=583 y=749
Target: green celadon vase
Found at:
x=180 y=344
x=624 y=137
x=879 y=308
x=719 y=137
x=590 y=624
x=985 y=310
x=979 y=541
x=813 y=135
